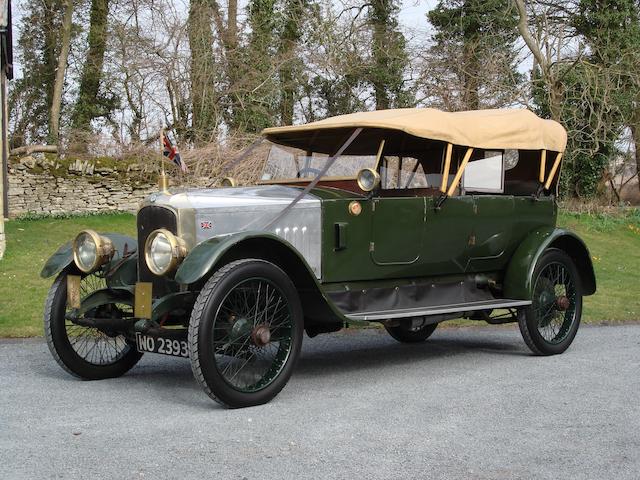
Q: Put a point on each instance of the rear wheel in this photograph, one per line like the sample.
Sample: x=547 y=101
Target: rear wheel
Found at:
x=412 y=330
x=245 y=333
x=550 y=324
x=86 y=352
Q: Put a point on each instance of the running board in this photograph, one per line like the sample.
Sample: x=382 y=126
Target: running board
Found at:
x=438 y=310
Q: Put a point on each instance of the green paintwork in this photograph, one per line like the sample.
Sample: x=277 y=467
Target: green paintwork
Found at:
x=500 y=224
x=447 y=233
x=64 y=255
x=412 y=238
x=203 y=258
x=125 y=295
x=393 y=215
x=172 y=301
x=518 y=276
x=123 y=273
x=105 y=296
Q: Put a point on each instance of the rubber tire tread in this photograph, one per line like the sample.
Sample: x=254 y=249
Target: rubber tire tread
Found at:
x=526 y=321
x=61 y=349
x=195 y=323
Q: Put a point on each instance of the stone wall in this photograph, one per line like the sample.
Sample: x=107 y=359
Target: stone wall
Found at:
x=37 y=188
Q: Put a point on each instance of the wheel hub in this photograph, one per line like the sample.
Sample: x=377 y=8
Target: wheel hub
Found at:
x=563 y=303
x=547 y=297
x=241 y=327
x=261 y=335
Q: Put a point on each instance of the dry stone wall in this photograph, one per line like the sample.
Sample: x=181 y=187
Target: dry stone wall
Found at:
x=36 y=189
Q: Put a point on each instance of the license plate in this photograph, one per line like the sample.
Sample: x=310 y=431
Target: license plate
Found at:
x=164 y=346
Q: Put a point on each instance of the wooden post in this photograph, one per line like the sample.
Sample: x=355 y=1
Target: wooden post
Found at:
x=543 y=165
x=456 y=179
x=4 y=155
x=6 y=73
x=553 y=171
x=447 y=167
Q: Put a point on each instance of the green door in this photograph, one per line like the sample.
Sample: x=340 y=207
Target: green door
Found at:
x=448 y=234
x=397 y=230
x=494 y=225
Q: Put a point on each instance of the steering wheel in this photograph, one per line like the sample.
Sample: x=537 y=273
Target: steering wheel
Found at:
x=305 y=170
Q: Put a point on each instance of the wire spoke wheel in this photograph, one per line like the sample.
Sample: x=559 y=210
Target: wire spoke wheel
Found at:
x=554 y=302
x=95 y=346
x=82 y=350
x=252 y=334
x=551 y=322
x=245 y=333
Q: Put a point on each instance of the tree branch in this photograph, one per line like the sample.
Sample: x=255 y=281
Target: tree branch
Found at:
x=29 y=149
x=523 y=28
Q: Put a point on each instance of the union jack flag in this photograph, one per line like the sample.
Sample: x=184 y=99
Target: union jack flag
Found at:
x=170 y=151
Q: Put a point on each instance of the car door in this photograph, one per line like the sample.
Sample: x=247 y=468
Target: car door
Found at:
x=494 y=225
x=494 y=220
x=448 y=234
x=398 y=214
x=397 y=230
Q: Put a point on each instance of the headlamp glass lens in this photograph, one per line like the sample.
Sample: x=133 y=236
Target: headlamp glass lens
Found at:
x=87 y=251
x=367 y=180
x=160 y=252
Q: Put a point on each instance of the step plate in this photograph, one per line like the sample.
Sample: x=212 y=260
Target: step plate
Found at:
x=437 y=310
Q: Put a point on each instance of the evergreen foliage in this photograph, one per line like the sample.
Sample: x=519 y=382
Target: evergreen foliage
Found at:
x=474 y=48
x=213 y=70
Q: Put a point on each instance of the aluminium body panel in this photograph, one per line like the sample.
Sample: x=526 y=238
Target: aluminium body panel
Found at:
x=206 y=213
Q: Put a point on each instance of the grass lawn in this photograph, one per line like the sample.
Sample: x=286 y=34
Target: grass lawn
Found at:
x=614 y=241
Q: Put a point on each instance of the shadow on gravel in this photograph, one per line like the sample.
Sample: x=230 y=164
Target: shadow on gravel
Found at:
x=351 y=354
x=324 y=356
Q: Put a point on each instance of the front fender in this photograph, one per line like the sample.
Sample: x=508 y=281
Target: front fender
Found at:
x=64 y=255
x=203 y=258
x=518 y=279
x=106 y=296
x=321 y=315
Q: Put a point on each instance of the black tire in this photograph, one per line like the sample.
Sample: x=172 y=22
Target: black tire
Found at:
x=411 y=331
x=110 y=356
x=225 y=331
x=550 y=324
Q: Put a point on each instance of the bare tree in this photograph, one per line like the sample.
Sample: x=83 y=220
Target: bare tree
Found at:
x=58 y=86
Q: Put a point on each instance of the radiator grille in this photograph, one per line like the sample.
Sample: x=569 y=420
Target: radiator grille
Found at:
x=149 y=219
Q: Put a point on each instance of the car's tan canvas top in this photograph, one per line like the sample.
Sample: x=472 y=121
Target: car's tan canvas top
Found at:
x=487 y=129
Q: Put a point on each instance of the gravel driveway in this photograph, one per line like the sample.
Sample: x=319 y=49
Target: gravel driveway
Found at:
x=470 y=403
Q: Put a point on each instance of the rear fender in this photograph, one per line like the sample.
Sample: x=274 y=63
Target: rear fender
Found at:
x=518 y=279
x=63 y=257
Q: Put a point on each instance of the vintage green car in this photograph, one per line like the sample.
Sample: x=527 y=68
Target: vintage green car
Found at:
x=405 y=217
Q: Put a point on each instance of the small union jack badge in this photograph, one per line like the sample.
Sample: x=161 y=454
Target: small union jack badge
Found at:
x=206 y=225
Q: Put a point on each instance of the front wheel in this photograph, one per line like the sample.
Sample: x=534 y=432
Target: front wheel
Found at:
x=85 y=352
x=245 y=333
x=550 y=324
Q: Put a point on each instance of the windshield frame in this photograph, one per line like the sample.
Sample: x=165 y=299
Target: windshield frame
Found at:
x=287 y=180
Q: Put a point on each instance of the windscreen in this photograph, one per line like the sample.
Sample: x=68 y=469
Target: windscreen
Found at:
x=289 y=163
